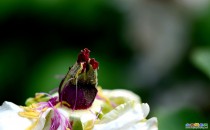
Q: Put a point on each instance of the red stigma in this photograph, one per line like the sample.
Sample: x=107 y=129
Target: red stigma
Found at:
x=83 y=56
x=94 y=63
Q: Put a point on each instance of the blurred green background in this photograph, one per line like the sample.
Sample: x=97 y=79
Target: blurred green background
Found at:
x=158 y=49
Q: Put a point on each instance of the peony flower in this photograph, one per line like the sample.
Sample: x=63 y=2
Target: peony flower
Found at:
x=79 y=104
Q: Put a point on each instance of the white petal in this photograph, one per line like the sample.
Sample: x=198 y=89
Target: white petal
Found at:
x=150 y=124
x=145 y=109
x=95 y=108
x=9 y=118
x=82 y=116
x=43 y=123
x=123 y=117
x=117 y=93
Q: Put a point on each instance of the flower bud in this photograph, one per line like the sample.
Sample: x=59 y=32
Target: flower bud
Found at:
x=78 y=88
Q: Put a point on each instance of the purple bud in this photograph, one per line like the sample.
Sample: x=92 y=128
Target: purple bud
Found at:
x=80 y=96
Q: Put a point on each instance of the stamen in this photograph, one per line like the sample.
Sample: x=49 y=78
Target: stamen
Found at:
x=30 y=112
x=32 y=115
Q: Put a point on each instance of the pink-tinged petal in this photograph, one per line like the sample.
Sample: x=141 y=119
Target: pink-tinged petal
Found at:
x=52 y=102
x=59 y=121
